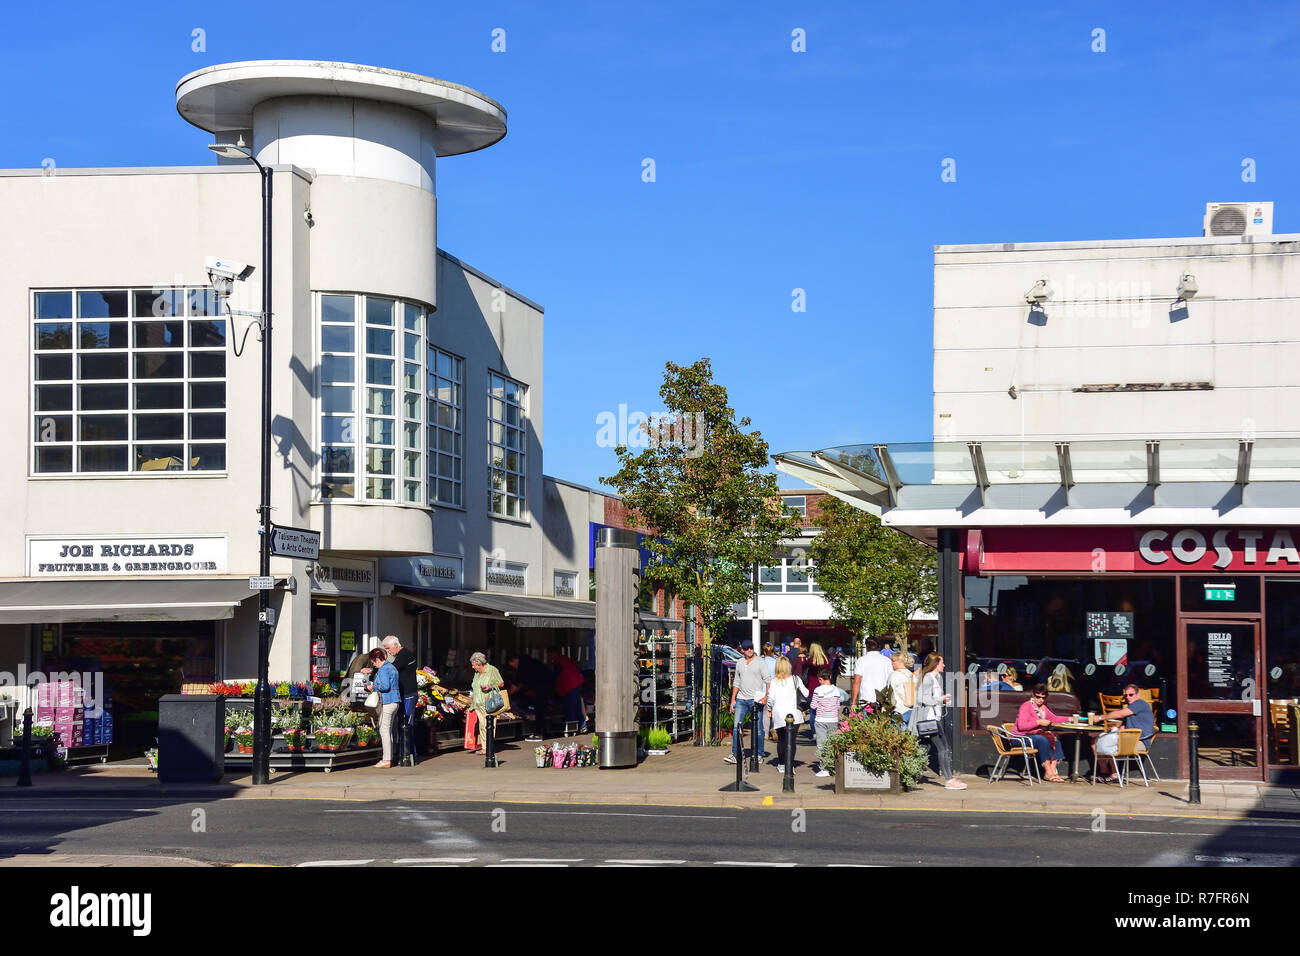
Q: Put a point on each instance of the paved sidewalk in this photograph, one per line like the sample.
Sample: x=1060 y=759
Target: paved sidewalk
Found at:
x=686 y=776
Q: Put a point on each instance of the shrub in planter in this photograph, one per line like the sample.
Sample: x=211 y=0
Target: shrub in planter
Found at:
x=881 y=743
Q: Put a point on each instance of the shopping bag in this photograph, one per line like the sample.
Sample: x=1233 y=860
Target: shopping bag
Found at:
x=471 y=725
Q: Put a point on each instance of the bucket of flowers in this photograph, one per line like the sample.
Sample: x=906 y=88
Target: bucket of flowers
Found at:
x=333 y=739
x=243 y=739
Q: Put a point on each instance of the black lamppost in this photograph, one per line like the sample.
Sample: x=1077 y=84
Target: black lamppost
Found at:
x=262 y=696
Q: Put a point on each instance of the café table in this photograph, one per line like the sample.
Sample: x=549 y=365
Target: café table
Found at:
x=1079 y=731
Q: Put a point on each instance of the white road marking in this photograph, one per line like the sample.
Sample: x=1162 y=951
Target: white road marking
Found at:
x=750 y=863
x=79 y=809
x=562 y=813
x=541 y=859
x=437 y=860
x=645 y=862
x=335 y=863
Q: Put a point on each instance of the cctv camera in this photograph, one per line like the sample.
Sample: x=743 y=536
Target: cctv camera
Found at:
x=222 y=273
x=1039 y=293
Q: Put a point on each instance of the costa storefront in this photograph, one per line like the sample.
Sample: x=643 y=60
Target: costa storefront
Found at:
x=1087 y=566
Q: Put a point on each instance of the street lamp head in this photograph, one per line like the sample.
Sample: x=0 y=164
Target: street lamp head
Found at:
x=231 y=151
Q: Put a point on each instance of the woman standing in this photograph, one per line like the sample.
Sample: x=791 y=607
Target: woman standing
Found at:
x=784 y=698
x=930 y=704
x=769 y=671
x=385 y=683
x=486 y=679
x=902 y=685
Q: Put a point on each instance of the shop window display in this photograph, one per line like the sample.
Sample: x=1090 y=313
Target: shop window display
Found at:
x=1080 y=637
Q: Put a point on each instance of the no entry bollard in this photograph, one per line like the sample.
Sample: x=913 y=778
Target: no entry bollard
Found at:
x=787 y=783
x=1194 y=770
x=25 y=768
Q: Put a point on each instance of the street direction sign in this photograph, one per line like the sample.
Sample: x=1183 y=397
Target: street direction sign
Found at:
x=295 y=542
x=256 y=583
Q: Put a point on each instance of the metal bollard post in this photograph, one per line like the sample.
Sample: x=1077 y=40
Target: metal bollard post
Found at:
x=1194 y=770
x=756 y=722
x=490 y=741
x=787 y=784
x=25 y=768
x=741 y=785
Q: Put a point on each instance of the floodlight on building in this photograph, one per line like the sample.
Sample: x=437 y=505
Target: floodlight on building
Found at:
x=1187 y=286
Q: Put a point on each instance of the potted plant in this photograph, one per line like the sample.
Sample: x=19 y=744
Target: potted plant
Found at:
x=873 y=751
x=333 y=739
x=656 y=740
x=243 y=739
x=295 y=740
x=367 y=735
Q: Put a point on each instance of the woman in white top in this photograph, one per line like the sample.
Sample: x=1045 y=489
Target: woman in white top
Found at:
x=784 y=696
x=902 y=685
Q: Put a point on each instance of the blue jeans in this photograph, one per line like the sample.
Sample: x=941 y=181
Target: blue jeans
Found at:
x=743 y=709
x=1045 y=750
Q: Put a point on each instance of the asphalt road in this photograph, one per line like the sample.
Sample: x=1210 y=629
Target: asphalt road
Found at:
x=336 y=833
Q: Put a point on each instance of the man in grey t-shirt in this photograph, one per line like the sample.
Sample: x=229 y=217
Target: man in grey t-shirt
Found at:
x=748 y=693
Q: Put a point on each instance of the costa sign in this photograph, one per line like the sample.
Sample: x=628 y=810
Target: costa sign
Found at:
x=1131 y=550
x=1190 y=546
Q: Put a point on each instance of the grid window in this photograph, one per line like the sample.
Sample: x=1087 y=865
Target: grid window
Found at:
x=369 y=399
x=445 y=432
x=507 y=446
x=796 y=503
x=111 y=381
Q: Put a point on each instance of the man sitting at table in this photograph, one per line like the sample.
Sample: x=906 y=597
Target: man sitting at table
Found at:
x=1035 y=721
x=1136 y=712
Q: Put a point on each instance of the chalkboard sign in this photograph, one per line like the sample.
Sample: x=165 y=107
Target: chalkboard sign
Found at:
x=1218 y=660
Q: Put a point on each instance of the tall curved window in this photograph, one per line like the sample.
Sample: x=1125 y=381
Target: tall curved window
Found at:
x=371 y=426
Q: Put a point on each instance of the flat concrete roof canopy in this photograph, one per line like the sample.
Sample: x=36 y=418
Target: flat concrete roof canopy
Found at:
x=222 y=97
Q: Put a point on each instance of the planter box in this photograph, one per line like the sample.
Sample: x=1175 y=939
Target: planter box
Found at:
x=852 y=777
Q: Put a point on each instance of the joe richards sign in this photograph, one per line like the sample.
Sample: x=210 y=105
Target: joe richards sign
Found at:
x=125 y=555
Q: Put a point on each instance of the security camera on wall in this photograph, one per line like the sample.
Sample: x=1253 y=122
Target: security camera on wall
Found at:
x=222 y=273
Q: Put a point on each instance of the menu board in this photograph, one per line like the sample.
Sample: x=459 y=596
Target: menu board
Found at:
x=1104 y=625
x=1218 y=660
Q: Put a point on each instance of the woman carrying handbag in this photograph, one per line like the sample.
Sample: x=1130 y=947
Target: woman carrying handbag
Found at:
x=927 y=717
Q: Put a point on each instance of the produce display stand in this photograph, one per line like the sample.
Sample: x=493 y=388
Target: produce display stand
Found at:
x=326 y=760
x=88 y=754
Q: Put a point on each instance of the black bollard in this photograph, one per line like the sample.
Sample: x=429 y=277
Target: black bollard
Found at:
x=1194 y=770
x=490 y=741
x=741 y=784
x=787 y=784
x=756 y=721
x=25 y=768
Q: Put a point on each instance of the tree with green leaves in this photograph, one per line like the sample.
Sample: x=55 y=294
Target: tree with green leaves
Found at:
x=873 y=577
x=697 y=481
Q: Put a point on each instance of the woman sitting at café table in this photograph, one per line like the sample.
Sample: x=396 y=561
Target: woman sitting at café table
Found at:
x=1035 y=721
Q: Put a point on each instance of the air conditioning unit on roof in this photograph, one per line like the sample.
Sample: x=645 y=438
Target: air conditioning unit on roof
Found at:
x=1238 y=219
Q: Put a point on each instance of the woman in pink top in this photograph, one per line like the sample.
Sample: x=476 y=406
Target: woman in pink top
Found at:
x=1035 y=722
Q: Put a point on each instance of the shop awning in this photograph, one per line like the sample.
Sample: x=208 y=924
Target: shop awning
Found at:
x=921 y=486
x=521 y=610
x=188 y=599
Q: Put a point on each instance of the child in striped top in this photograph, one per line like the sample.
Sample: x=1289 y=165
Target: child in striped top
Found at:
x=825 y=705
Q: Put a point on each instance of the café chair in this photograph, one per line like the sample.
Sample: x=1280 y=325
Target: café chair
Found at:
x=1110 y=702
x=1280 y=723
x=1126 y=753
x=1008 y=745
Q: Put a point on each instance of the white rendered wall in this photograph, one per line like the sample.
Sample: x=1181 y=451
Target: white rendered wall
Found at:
x=1109 y=322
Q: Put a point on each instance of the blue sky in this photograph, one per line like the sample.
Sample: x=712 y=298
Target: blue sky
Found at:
x=775 y=170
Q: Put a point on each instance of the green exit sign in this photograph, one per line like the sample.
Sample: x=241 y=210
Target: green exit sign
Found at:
x=1220 y=593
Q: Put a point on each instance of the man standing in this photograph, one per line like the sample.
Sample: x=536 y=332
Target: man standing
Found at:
x=404 y=661
x=568 y=685
x=748 y=693
x=535 y=680
x=871 y=674
x=796 y=646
